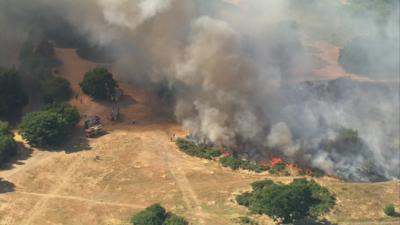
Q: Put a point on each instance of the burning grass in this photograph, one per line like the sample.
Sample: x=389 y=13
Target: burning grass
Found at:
x=276 y=165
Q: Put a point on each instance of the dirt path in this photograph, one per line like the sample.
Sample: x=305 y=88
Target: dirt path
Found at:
x=175 y=168
x=75 y=198
x=40 y=206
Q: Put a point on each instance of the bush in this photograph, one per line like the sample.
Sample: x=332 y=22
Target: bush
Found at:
x=231 y=162
x=152 y=215
x=68 y=113
x=8 y=147
x=99 y=84
x=235 y=163
x=246 y=220
x=277 y=168
x=50 y=126
x=157 y=215
x=193 y=149
x=56 y=89
x=12 y=95
x=317 y=173
x=288 y=203
x=389 y=210
x=173 y=219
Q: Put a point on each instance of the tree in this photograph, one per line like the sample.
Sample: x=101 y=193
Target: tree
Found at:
x=389 y=210
x=157 y=215
x=50 y=126
x=68 y=113
x=8 y=147
x=98 y=83
x=288 y=203
x=12 y=95
x=56 y=89
x=152 y=215
x=175 y=220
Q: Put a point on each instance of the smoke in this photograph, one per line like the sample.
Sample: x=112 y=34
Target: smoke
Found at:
x=243 y=74
x=130 y=14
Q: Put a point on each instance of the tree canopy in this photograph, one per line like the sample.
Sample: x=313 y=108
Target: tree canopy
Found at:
x=8 y=147
x=175 y=220
x=12 y=94
x=99 y=83
x=287 y=203
x=50 y=126
x=157 y=215
x=56 y=89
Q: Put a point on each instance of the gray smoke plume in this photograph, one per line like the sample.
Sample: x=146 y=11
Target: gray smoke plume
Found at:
x=243 y=72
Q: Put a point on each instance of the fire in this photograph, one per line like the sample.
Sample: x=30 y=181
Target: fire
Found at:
x=292 y=167
x=276 y=161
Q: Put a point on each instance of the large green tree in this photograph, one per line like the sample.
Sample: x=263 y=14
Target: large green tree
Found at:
x=157 y=215
x=56 y=89
x=175 y=220
x=152 y=215
x=12 y=95
x=99 y=83
x=288 y=203
x=50 y=126
x=8 y=147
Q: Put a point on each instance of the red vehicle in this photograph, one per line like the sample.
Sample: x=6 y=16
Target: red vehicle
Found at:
x=94 y=131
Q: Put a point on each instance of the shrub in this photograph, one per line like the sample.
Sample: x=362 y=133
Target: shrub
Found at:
x=277 y=168
x=389 y=210
x=231 y=162
x=12 y=95
x=235 y=163
x=173 y=219
x=152 y=215
x=157 y=215
x=243 y=199
x=56 y=89
x=317 y=173
x=193 y=149
x=68 y=113
x=50 y=126
x=98 y=83
x=246 y=220
x=288 y=203
x=8 y=147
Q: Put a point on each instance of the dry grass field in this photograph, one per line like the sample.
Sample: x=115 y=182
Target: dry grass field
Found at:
x=105 y=180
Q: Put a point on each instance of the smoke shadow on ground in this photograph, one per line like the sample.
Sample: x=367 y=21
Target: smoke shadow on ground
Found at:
x=23 y=153
x=310 y=221
x=6 y=186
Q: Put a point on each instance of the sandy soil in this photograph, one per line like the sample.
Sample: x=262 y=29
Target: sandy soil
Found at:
x=104 y=181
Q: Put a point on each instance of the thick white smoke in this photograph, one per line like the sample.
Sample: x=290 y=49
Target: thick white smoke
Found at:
x=237 y=71
x=129 y=13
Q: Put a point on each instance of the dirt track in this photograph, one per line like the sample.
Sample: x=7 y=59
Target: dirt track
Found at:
x=107 y=179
